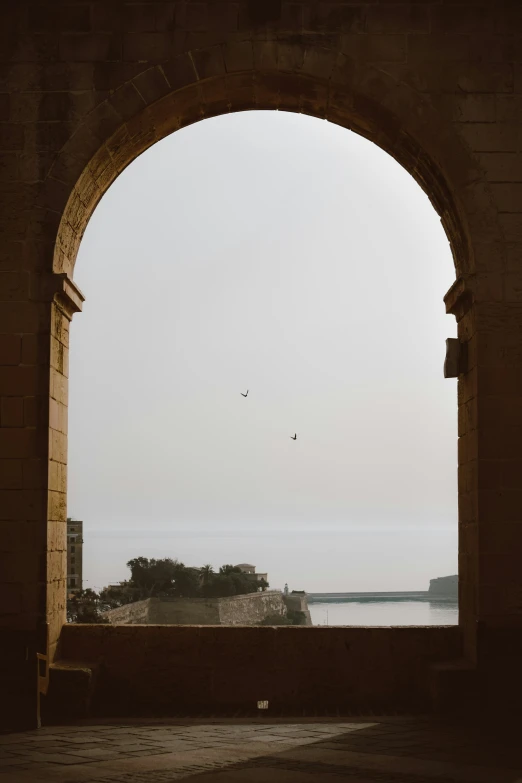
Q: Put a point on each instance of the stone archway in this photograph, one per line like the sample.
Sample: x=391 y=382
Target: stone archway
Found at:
x=91 y=89
x=331 y=86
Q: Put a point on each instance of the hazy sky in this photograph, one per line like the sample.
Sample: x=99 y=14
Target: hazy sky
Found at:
x=281 y=254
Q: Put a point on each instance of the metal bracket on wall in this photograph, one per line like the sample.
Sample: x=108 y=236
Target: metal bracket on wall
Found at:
x=455 y=361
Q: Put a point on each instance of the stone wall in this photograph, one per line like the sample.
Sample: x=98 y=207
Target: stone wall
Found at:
x=251 y=609
x=248 y=609
x=299 y=605
x=130 y=614
x=184 y=611
x=86 y=86
x=230 y=668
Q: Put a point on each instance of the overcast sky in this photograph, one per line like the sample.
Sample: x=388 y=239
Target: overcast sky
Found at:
x=288 y=256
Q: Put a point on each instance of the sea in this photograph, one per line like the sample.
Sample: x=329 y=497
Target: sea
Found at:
x=377 y=611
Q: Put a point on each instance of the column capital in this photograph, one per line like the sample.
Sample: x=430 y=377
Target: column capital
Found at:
x=459 y=297
x=60 y=289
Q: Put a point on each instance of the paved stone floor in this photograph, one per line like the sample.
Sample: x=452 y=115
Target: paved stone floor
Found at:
x=365 y=750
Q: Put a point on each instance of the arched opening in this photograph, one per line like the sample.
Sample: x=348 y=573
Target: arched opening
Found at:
x=401 y=122
x=314 y=283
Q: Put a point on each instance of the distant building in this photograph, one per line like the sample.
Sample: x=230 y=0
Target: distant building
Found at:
x=246 y=568
x=250 y=570
x=74 y=555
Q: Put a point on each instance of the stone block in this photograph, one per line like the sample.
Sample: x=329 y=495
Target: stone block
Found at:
x=485 y=137
x=222 y=17
x=147 y=47
x=138 y=17
x=20 y=504
x=11 y=136
x=499 y=444
x=197 y=17
x=239 y=56
x=293 y=16
x=180 y=72
x=338 y=17
x=10 y=349
x=14 y=286
x=266 y=55
x=508 y=196
x=19 y=380
x=89 y=47
x=58 y=446
x=209 y=62
x=319 y=63
x=456 y=18
x=509 y=108
x=32 y=411
x=10 y=599
x=71 y=18
x=35 y=349
x=56 y=506
x=513 y=286
x=437 y=48
x=57 y=416
x=59 y=356
x=10 y=474
x=19 y=567
x=375 y=47
x=290 y=57
x=502 y=166
x=398 y=18
x=56 y=565
x=12 y=412
x=57 y=476
x=152 y=84
x=10 y=166
x=474 y=108
x=35 y=472
x=511 y=224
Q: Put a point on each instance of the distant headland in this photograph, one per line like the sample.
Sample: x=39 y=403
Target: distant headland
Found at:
x=443 y=588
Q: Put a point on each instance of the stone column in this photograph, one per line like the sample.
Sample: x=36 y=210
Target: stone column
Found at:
x=490 y=478
x=35 y=311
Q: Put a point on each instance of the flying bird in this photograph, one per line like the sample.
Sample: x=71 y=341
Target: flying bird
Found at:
x=293 y=437
x=244 y=395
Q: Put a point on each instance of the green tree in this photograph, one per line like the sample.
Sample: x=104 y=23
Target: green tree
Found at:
x=207 y=572
x=187 y=582
x=84 y=607
x=229 y=569
x=153 y=576
x=113 y=596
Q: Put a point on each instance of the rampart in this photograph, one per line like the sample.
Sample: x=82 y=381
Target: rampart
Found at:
x=248 y=609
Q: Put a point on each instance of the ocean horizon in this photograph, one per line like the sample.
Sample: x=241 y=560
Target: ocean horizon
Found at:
x=384 y=612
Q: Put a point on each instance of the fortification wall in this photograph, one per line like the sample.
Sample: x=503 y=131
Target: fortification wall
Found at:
x=251 y=609
x=131 y=614
x=299 y=605
x=248 y=609
x=184 y=611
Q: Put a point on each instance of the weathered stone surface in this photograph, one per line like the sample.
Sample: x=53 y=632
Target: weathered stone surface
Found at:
x=248 y=609
x=215 y=667
x=86 y=87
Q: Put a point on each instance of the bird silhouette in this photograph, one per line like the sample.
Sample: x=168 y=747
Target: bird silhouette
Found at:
x=293 y=437
x=244 y=395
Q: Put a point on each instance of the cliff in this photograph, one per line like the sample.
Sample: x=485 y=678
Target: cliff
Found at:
x=444 y=587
